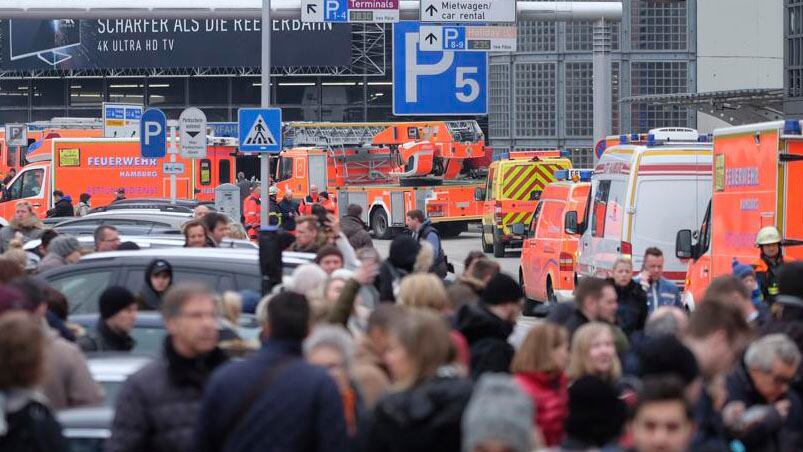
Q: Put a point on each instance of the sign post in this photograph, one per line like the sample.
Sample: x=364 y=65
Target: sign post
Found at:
x=173 y=124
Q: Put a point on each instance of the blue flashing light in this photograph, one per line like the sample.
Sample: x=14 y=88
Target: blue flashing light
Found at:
x=622 y=139
x=585 y=175
x=634 y=136
x=651 y=140
x=573 y=175
x=706 y=138
x=791 y=127
x=565 y=153
x=561 y=174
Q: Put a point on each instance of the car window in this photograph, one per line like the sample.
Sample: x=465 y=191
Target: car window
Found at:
x=148 y=340
x=87 y=222
x=122 y=222
x=224 y=171
x=82 y=289
x=28 y=185
x=534 y=222
x=249 y=282
x=600 y=204
x=551 y=220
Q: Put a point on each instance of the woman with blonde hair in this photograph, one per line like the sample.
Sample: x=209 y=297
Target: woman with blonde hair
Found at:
x=423 y=290
x=23 y=226
x=538 y=368
x=594 y=353
x=425 y=411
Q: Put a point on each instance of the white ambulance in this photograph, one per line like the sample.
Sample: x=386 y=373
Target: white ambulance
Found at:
x=645 y=188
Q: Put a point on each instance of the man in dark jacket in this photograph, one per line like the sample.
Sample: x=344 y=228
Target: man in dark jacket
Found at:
x=274 y=400
x=487 y=325
x=424 y=230
x=400 y=262
x=158 y=406
x=118 y=314
x=289 y=211
x=759 y=389
x=595 y=300
x=158 y=278
x=355 y=229
x=62 y=206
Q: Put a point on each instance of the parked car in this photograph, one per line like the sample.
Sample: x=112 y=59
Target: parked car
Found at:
x=149 y=330
x=87 y=429
x=148 y=241
x=127 y=221
x=222 y=269
x=112 y=369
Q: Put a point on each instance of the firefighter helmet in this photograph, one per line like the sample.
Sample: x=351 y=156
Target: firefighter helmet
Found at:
x=768 y=235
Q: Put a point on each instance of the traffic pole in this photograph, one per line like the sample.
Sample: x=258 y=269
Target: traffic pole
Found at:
x=264 y=160
x=173 y=147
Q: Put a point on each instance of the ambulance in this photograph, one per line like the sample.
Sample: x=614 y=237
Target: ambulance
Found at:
x=511 y=194
x=546 y=270
x=758 y=169
x=101 y=166
x=645 y=188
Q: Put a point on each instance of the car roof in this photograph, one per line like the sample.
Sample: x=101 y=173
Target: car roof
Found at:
x=234 y=254
x=148 y=241
x=87 y=422
x=115 y=367
x=137 y=212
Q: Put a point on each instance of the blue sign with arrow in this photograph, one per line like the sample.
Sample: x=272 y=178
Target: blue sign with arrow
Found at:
x=153 y=133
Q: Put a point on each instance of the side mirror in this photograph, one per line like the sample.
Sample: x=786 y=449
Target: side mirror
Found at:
x=570 y=222
x=517 y=229
x=535 y=195
x=479 y=194
x=683 y=245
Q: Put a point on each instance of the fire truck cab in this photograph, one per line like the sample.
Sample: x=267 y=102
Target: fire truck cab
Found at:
x=756 y=183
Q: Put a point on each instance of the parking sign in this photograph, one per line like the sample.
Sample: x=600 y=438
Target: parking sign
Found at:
x=153 y=133
x=436 y=82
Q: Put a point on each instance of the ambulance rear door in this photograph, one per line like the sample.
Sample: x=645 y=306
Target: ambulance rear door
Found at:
x=791 y=198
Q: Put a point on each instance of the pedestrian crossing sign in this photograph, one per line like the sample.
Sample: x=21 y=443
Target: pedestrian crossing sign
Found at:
x=260 y=129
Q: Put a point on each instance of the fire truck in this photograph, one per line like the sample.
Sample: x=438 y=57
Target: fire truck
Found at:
x=389 y=169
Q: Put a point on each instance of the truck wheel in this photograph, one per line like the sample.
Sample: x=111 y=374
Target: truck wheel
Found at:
x=379 y=224
x=486 y=248
x=498 y=246
x=550 y=292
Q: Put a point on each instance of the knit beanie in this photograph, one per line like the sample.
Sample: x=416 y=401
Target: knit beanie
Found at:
x=328 y=250
x=596 y=414
x=64 y=245
x=665 y=354
x=498 y=411
x=742 y=271
x=403 y=251
x=113 y=300
x=12 y=298
x=502 y=289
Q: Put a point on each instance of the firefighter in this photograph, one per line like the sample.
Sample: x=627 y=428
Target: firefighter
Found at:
x=768 y=240
x=252 y=207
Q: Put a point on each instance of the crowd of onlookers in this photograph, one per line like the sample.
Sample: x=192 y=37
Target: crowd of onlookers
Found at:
x=363 y=353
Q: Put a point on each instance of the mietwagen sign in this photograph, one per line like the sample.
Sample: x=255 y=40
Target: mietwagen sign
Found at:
x=468 y=11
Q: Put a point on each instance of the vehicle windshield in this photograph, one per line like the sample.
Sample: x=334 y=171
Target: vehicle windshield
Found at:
x=284 y=170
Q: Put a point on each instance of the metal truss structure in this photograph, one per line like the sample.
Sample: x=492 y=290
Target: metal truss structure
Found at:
x=735 y=107
x=368 y=58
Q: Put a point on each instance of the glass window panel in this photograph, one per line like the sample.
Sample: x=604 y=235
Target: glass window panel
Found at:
x=48 y=91
x=14 y=93
x=44 y=115
x=380 y=114
x=499 y=101
x=379 y=92
x=579 y=100
x=217 y=114
x=659 y=25
x=86 y=91
x=535 y=91
x=298 y=92
x=659 y=77
x=341 y=93
x=534 y=36
x=246 y=90
x=126 y=90
x=13 y=116
x=209 y=91
x=167 y=91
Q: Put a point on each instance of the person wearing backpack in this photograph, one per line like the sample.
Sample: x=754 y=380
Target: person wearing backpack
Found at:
x=424 y=230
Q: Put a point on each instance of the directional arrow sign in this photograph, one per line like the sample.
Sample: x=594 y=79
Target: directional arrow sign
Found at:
x=353 y=11
x=468 y=11
x=312 y=10
x=477 y=38
x=192 y=133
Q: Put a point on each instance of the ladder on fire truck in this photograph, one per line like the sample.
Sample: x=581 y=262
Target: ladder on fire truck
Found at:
x=349 y=144
x=66 y=123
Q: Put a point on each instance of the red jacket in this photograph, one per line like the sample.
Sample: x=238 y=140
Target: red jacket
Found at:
x=550 y=394
x=251 y=210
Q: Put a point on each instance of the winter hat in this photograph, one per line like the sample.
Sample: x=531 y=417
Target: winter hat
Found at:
x=498 y=411
x=667 y=355
x=328 y=250
x=12 y=298
x=64 y=245
x=403 y=251
x=502 y=289
x=742 y=271
x=596 y=414
x=113 y=300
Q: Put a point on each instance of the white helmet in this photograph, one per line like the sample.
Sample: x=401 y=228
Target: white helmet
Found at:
x=768 y=235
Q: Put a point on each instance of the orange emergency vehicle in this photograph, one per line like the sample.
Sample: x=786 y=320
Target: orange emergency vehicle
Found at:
x=100 y=166
x=549 y=252
x=757 y=173
x=388 y=169
x=514 y=183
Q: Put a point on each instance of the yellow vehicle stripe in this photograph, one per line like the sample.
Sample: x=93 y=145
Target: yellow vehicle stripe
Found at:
x=521 y=184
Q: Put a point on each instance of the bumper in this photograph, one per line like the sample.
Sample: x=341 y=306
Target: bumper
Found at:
x=564 y=296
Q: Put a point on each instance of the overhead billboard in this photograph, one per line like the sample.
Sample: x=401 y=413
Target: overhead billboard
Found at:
x=67 y=44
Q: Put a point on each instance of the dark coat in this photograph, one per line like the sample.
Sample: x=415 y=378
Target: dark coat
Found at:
x=158 y=406
x=424 y=418
x=356 y=231
x=289 y=211
x=633 y=310
x=63 y=208
x=574 y=322
x=487 y=339
x=32 y=428
x=300 y=410
x=149 y=299
x=772 y=433
x=104 y=339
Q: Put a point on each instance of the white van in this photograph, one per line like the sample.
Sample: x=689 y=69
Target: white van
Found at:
x=643 y=191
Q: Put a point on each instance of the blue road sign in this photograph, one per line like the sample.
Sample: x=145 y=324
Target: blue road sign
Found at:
x=436 y=83
x=153 y=133
x=335 y=10
x=260 y=129
x=454 y=38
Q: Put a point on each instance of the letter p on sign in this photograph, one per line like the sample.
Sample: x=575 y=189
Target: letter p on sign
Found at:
x=153 y=133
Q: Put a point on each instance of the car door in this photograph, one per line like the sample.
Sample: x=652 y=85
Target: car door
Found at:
x=82 y=286
x=529 y=254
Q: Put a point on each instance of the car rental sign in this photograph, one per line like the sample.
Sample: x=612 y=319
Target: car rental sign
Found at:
x=468 y=11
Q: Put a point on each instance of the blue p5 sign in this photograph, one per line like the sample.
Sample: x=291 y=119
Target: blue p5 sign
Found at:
x=436 y=83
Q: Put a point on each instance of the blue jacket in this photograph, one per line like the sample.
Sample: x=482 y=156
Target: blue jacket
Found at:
x=665 y=291
x=300 y=409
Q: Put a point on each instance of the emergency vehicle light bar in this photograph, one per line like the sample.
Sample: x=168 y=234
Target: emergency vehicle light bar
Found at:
x=574 y=175
x=525 y=155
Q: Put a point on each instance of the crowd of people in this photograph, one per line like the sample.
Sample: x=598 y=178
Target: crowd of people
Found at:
x=361 y=353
